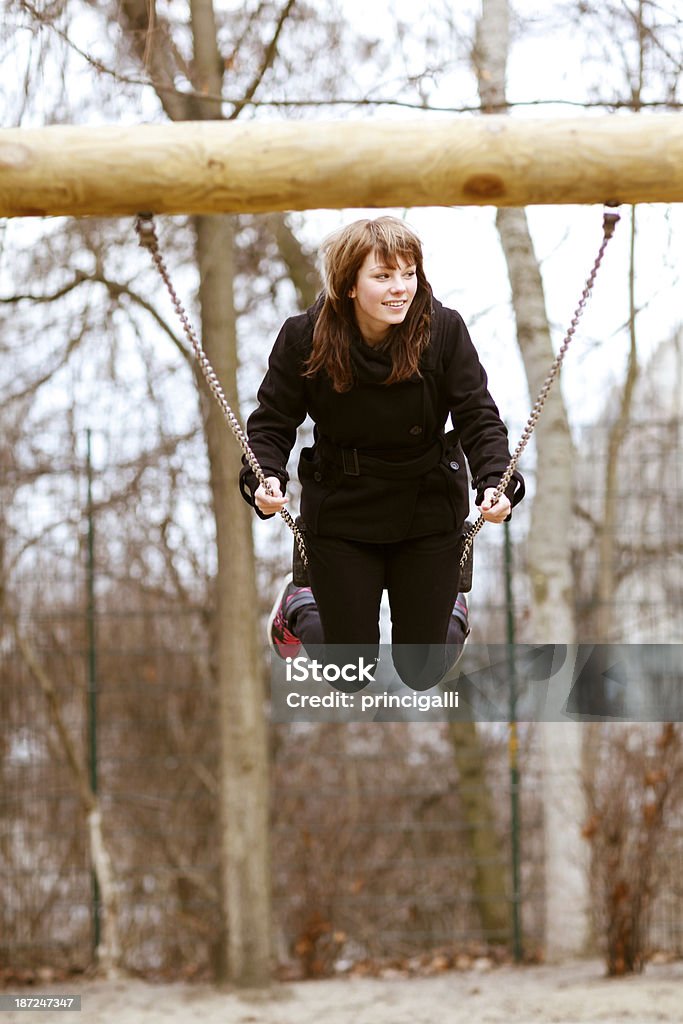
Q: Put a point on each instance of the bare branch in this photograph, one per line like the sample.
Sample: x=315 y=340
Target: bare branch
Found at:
x=588 y=517
x=268 y=58
x=34 y=666
x=154 y=46
x=117 y=289
x=301 y=266
x=78 y=278
x=30 y=389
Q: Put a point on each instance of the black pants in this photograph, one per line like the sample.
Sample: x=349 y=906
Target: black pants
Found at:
x=420 y=576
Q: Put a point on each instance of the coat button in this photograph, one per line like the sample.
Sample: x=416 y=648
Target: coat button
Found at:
x=415 y=430
x=317 y=477
x=454 y=465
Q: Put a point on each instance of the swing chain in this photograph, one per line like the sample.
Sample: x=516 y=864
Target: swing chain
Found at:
x=609 y=222
x=147 y=235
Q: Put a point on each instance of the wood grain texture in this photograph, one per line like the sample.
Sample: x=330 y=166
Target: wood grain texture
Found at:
x=216 y=166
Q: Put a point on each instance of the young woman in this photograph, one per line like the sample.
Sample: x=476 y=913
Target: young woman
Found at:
x=379 y=364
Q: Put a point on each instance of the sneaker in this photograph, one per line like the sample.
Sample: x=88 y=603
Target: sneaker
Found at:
x=461 y=612
x=462 y=616
x=284 y=642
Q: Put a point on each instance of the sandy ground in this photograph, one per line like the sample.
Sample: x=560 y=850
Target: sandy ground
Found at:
x=568 y=994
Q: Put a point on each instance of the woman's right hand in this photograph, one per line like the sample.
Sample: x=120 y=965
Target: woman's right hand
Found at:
x=268 y=503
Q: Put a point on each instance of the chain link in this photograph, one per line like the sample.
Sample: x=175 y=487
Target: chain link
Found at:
x=609 y=222
x=147 y=235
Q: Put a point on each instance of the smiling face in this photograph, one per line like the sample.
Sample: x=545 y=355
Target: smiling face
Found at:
x=382 y=295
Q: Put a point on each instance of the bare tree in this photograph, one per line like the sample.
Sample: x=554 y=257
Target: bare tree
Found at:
x=244 y=805
x=633 y=796
x=548 y=554
x=549 y=545
x=110 y=946
x=643 y=53
x=188 y=67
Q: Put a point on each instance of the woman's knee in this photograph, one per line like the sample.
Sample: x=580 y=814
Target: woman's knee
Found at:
x=421 y=666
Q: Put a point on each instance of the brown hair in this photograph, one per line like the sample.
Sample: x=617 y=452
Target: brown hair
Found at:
x=343 y=255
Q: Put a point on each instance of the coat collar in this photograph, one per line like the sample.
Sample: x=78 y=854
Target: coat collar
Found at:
x=371 y=364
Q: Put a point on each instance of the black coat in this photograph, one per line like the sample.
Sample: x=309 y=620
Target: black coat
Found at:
x=382 y=467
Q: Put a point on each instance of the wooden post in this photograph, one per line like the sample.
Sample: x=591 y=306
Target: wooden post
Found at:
x=217 y=166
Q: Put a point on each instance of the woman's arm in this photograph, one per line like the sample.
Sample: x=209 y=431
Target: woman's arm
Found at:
x=476 y=418
x=281 y=409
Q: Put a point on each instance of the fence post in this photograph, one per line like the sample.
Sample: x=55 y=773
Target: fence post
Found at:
x=92 y=674
x=513 y=752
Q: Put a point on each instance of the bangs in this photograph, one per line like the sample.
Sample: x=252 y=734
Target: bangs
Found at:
x=394 y=242
x=392 y=258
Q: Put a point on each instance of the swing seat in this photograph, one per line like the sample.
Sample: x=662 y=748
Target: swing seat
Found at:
x=299 y=571
x=466 y=572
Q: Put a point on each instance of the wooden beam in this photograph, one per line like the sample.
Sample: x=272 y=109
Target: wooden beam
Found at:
x=217 y=166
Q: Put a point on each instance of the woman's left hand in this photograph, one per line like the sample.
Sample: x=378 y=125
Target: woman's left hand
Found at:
x=494 y=513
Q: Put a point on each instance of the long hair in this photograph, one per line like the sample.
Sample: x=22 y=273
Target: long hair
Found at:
x=343 y=255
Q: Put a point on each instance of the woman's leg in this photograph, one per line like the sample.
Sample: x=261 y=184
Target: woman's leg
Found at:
x=422 y=581
x=347 y=580
x=341 y=604
x=306 y=625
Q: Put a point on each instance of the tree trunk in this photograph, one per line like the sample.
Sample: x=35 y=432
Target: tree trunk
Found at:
x=244 y=954
x=481 y=836
x=609 y=521
x=244 y=795
x=567 y=926
x=244 y=800
x=549 y=545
